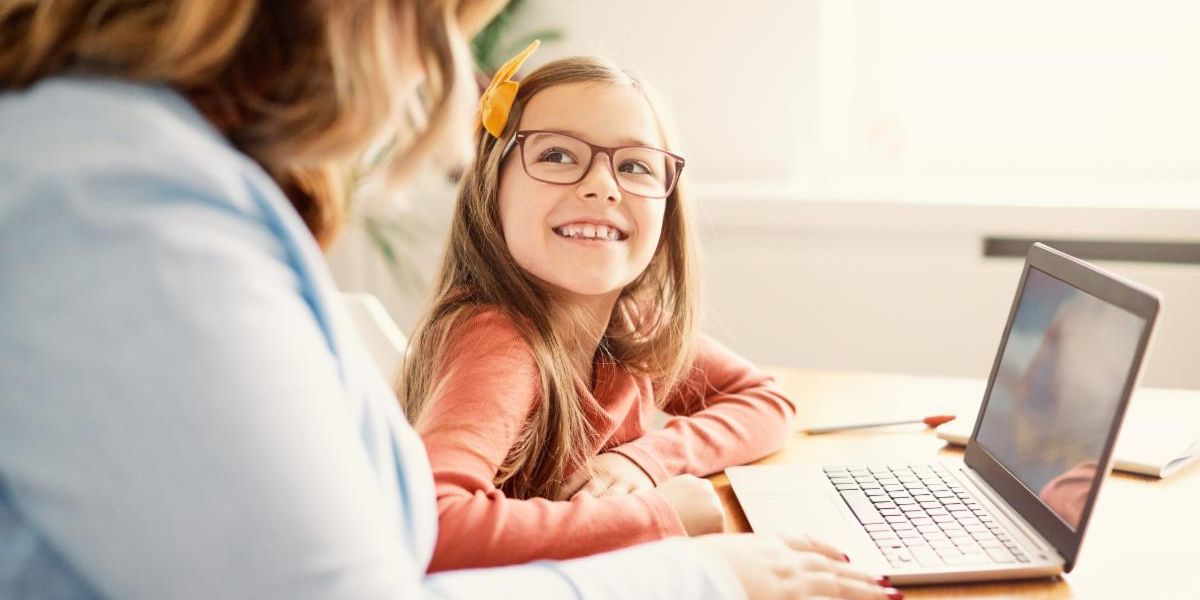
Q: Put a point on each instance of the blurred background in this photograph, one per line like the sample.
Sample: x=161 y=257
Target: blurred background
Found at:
x=869 y=173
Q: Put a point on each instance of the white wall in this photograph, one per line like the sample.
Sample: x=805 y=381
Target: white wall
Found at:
x=706 y=58
x=905 y=288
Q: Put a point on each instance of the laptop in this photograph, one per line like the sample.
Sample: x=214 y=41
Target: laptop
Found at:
x=1018 y=504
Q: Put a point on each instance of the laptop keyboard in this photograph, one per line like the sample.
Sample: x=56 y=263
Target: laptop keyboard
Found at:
x=919 y=516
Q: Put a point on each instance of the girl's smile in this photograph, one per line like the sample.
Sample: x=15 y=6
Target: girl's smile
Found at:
x=591 y=230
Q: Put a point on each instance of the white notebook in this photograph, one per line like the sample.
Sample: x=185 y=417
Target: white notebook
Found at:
x=1161 y=433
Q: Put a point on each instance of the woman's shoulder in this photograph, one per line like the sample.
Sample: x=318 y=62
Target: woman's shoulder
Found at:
x=94 y=134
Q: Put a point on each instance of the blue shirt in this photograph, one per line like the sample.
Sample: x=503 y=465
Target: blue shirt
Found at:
x=185 y=412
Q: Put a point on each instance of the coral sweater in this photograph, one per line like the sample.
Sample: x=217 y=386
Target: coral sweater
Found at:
x=726 y=413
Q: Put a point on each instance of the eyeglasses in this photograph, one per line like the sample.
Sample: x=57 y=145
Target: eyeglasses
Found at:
x=552 y=157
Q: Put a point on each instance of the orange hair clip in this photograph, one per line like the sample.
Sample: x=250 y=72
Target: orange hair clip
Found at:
x=497 y=99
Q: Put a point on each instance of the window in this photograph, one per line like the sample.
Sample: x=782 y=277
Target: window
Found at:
x=1067 y=102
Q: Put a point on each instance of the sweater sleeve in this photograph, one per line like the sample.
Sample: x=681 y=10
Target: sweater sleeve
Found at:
x=481 y=403
x=727 y=412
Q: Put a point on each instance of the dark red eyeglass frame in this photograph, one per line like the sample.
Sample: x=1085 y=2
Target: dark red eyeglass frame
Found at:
x=609 y=151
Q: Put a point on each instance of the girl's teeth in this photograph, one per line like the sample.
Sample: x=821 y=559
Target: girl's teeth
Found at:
x=588 y=231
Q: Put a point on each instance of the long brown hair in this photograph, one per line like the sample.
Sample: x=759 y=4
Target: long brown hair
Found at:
x=651 y=330
x=304 y=87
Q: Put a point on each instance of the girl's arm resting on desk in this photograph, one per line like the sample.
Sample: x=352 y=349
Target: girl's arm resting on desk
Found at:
x=173 y=425
x=483 y=399
x=727 y=413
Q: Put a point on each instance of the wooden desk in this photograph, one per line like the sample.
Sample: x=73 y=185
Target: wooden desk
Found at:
x=1144 y=537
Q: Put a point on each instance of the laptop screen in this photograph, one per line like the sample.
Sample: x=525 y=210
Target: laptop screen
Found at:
x=1057 y=389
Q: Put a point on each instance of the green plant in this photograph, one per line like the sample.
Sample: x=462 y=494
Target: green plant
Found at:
x=493 y=45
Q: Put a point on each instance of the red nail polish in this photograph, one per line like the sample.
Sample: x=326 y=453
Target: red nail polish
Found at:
x=894 y=594
x=884 y=581
x=846 y=558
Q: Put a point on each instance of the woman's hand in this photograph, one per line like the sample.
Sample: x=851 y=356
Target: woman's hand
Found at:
x=696 y=502
x=608 y=474
x=771 y=567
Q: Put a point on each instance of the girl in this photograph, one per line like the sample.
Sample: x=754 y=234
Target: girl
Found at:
x=565 y=314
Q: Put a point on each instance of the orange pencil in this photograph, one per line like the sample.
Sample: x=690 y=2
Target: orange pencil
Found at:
x=933 y=421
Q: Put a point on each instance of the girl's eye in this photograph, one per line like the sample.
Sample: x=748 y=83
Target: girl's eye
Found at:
x=556 y=155
x=635 y=167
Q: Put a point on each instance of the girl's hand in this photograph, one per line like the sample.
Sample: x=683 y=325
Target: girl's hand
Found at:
x=696 y=502
x=611 y=475
x=771 y=567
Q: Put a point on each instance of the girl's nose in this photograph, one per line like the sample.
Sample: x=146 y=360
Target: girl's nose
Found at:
x=599 y=181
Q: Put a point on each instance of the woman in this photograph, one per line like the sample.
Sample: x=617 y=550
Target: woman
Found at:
x=184 y=411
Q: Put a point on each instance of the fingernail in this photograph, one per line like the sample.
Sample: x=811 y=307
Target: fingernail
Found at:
x=846 y=558
x=884 y=581
x=894 y=594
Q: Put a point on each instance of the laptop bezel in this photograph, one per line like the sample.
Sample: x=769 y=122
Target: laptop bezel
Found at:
x=1109 y=288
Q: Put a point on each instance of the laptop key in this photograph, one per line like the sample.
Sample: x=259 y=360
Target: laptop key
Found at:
x=1000 y=555
x=900 y=558
x=862 y=507
x=965 y=559
x=926 y=557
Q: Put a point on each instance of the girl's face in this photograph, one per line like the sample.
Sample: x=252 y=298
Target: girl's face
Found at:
x=555 y=231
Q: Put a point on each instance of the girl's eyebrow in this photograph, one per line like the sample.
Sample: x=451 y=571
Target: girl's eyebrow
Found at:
x=627 y=141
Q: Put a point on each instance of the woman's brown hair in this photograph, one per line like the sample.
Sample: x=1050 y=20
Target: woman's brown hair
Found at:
x=651 y=330
x=304 y=87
